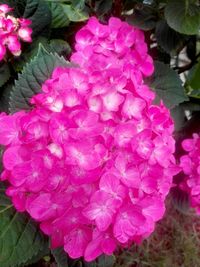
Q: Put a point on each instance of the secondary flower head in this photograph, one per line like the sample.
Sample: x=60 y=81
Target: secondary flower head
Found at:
x=12 y=32
x=190 y=164
x=93 y=160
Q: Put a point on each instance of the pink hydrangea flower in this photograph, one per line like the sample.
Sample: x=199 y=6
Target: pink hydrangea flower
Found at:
x=93 y=161
x=190 y=164
x=12 y=32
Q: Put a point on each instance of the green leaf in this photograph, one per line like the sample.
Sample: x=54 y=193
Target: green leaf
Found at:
x=75 y=13
x=63 y=260
x=59 y=17
x=162 y=55
x=29 y=53
x=4 y=73
x=144 y=18
x=4 y=100
x=179 y=118
x=194 y=81
x=60 y=47
x=167 y=85
x=60 y=256
x=63 y=13
x=32 y=77
x=106 y=261
x=103 y=7
x=40 y=15
x=90 y=264
x=183 y=16
x=39 y=256
x=20 y=239
x=195 y=94
x=78 y=4
x=167 y=38
x=102 y=261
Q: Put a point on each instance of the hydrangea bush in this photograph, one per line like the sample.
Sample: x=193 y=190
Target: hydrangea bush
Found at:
x=93 y=160
x=88 y=137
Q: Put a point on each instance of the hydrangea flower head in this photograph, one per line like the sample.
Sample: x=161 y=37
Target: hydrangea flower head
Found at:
x=12 y=32
x=190 y=164
x=94 y=157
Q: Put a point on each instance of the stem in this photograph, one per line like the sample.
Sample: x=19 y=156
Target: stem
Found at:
x=7 y=208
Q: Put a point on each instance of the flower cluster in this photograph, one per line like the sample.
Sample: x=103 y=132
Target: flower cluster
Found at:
x=93 y=160
x=190 y=164
x=12 y=30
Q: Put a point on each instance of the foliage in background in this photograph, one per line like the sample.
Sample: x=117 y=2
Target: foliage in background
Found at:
x=172 y=30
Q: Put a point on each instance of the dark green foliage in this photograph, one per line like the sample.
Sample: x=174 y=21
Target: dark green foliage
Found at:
x=144 y=17
x=4 y=73
x=38 y=12
x=183 y=16
x=60 y=257
x=167 y=85
x=194 y=78
x=32 y=77
x=170 y=40
x=20 y=239
x=59 y=18
x=63 y=12
x=58 y=46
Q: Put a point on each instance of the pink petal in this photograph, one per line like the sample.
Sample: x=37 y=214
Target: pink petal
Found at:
x=78 y=238
x=112 y=101
x=133 y=107
x=11 y=157
x=25 y=34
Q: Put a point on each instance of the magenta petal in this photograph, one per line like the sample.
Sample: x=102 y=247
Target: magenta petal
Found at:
x=11 y=157
x=78 y=239
x=37 y=209
x=93 y=250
